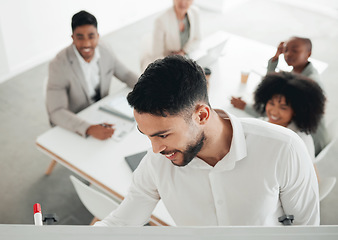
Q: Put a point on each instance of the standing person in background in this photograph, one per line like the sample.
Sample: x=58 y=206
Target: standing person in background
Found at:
x=177 y=30
x=80 y=75
x=296 y=52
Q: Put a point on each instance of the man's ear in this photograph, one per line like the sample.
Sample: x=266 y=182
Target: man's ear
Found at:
x=202 y=114
x=309 y=54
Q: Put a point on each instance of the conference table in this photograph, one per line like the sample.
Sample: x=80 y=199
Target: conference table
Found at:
x=103 y=164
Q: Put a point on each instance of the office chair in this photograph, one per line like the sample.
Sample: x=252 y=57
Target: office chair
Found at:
x=97 y=203
x=326 y=184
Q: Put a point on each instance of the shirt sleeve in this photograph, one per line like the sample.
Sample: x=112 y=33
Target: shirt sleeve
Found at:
x=158 y=39
x=136 y=208
x=307 y=139
x=272 y=65
x=298 y=183
x=315 y=77
x=57 y=101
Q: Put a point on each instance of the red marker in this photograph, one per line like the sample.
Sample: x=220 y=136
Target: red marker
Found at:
x=37 y=214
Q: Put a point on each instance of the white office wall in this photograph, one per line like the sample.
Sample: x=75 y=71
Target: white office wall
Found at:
x=3 y=57
x=221 y=6
x=33 y=31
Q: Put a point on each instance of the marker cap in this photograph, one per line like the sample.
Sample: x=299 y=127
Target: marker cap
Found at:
x=37 y=208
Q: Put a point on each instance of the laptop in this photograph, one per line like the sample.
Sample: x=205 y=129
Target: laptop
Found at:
x=211 y=48
x=135 y=159
x=213 y=53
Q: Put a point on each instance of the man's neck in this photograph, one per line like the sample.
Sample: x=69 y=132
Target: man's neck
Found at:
x=88 y=60
x=218 y=140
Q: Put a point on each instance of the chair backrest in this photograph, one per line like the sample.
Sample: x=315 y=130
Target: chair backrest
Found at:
x=97 y=203
x=332 y=144
x=332 y=128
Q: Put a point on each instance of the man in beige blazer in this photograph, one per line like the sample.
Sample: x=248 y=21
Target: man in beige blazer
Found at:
x=80 y=75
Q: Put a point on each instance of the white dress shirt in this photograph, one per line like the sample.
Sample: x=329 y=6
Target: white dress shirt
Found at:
x=266 y=174
x=91 y=70
x=307 y=139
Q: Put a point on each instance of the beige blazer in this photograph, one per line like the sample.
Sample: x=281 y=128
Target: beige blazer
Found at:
x=67 y=91
x=166 y=37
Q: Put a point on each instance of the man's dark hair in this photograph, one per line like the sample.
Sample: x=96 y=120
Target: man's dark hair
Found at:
x=306 y=41
x=169 y=86
x=83 y=18
x=302 y=94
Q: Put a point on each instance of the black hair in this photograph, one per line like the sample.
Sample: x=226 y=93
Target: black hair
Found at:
x=302 y=94
x=172 y=85
x=83 y=18
x=207 y=71
x=306 y=41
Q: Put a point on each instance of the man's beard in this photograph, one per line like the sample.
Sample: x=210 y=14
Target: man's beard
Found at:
x=192 y=150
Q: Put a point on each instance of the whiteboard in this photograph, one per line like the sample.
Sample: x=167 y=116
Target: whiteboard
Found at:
x=14 y=232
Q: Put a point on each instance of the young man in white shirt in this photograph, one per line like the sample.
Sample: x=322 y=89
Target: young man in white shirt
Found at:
x=209 y=167
x=80 y=75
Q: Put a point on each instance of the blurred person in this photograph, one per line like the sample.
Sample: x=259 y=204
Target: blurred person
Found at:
x=292 y=101
x=80 y=75
x=177 y=30
x=296 y=51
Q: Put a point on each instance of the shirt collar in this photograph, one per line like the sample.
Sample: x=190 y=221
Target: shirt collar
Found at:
x=82 y=61
x=308 y=69
x=238 y=149
x=292 y=126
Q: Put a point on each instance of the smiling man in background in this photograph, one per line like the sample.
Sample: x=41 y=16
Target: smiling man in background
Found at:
x=80 y=75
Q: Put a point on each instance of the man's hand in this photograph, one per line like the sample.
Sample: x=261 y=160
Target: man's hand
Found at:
x=101 y=131
x=280 y=50
x=238 y=103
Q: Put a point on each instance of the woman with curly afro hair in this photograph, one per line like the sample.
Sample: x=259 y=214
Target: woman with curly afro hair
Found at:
x=292 y=101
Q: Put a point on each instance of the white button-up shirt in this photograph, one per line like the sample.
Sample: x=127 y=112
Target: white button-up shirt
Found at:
x=91 y=70
x=267 y=173
x=307 y=139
